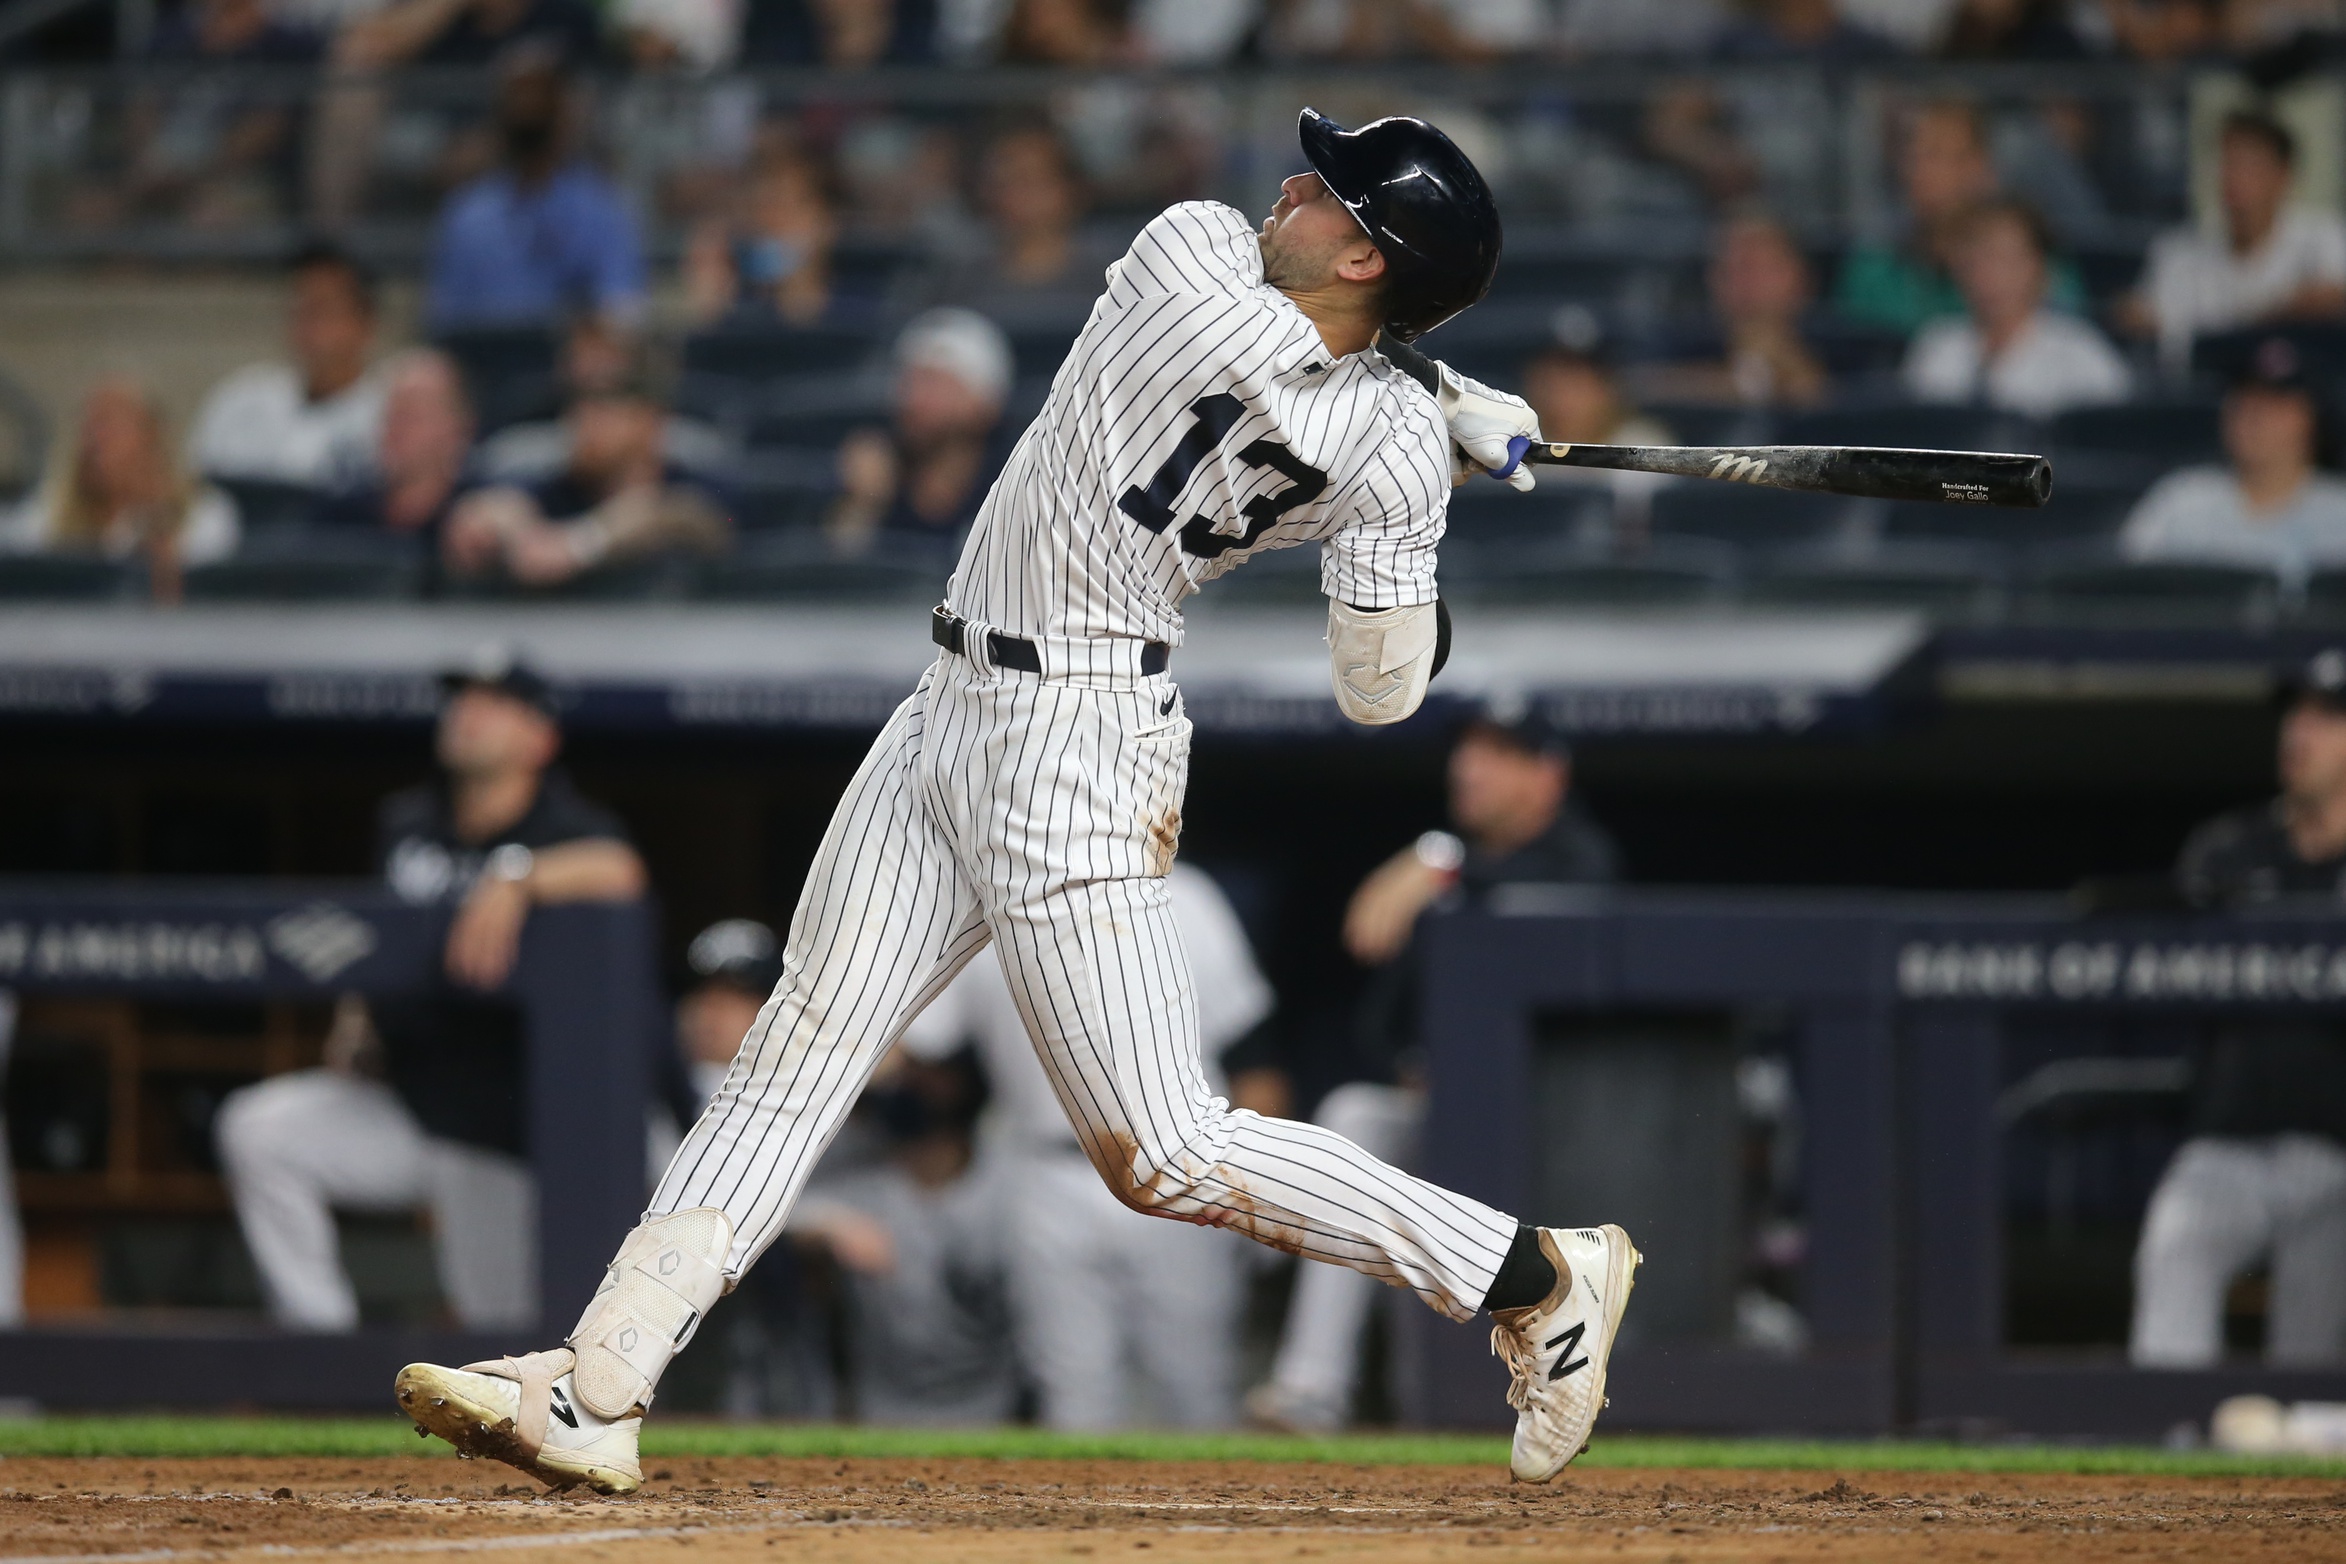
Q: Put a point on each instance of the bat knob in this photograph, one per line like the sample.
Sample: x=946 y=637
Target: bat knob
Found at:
x=1515 y=449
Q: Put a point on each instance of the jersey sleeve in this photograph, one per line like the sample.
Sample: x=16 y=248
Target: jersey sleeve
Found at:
x=1384 y=558
x=1195 y=247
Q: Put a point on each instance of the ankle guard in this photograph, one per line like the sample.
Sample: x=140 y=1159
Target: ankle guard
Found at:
x=666 y=1276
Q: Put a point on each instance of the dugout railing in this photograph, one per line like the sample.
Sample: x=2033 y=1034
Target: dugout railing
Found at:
x=1925 y=1035
x=587 y=987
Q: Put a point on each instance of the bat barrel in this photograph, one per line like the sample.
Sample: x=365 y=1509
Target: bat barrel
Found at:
x=1938 y=477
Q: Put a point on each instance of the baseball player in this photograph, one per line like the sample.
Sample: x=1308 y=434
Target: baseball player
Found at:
x=1093 y=1287
x=1227 y=396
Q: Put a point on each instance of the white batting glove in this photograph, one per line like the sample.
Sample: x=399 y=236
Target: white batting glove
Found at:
x=1488 y=430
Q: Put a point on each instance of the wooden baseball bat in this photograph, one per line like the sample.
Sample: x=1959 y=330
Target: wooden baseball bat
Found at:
x=1873 y=472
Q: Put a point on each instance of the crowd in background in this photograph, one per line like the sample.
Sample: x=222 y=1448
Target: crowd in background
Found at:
x=703 y=35
x=861 y=312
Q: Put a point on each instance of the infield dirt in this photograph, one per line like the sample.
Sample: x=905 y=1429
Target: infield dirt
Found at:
x=757 y=1511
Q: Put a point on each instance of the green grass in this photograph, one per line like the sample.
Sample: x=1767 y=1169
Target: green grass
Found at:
x=289 y=1436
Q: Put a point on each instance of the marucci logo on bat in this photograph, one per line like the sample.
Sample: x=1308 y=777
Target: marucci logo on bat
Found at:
x=1740 y=469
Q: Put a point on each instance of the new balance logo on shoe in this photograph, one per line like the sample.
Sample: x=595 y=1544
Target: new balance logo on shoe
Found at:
x=1570 y=1341
x=561 y=1408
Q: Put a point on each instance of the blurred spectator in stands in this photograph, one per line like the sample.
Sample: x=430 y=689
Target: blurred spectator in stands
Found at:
x=928 y=472
x=1086 y=34
x=1572 y=384
x=2263 y=1176
x=1033 y=202
x=1510 y=780
x=693 y=35
x=244 y=31
x=616 y=498
x=215 y=155
x=2275 y=260
x=420 y=458
x=1944 y=170
x=1205 y=32
x=114 y=488
x=2271 y=505
x=439 y=1121
x=919 y=1241
x=843 y=35
x=542 y=236
x=466 y=32
x=2011 y=350
x=772 y=260
x=1602 y=29
x=2011 y=30
x=315 y=421
x=1100 y=1297
x=2163 y=32
x=1754 y=355
x=1810 y=30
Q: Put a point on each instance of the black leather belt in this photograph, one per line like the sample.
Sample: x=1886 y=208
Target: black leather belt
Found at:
x=951 y=631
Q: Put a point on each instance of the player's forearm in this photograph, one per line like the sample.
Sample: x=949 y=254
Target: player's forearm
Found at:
x=586 y=871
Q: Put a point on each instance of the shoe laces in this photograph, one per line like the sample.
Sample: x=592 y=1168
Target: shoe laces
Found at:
x=1516 y=1349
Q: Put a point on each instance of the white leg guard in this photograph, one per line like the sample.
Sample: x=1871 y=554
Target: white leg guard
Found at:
x=667 y=1274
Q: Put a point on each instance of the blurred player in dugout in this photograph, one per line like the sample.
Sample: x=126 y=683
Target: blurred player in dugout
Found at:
x=1510 y=778
x=420 y=1101
x=2263 y=1176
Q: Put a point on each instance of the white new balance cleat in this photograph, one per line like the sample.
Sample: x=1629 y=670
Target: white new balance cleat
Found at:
x=525 y=1412
x=1556 y=1349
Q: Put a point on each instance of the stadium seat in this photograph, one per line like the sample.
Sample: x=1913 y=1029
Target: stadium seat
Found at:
x=511 y=373
x=295 y=564
x=2077 y=512
x=65 y=577
x=809 y=428
x=1911 y=426
x=758 y=353
x=1487 y=514
x=1696 y=423
x=782 y=488
x=1961 y=580
x=2091 y=585
x=1742 y=513
x=264 y=506
x=799 y=565
x=1592 y=575
x=2134 y=444
x=662 y=579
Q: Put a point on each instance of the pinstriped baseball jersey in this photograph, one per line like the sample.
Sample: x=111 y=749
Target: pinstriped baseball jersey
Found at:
x=1198 y=420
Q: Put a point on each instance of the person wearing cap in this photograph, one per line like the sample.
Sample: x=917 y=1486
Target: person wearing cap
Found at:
x=2271 y=505
x=2262 y=1178
x=926 y=475
x=1575 y=391
x=421 y=1101
x=1510 y=784
x=2272 y=259
x=617 y=497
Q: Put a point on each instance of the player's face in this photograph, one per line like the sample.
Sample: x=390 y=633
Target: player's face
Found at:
x=2313 y=752
x=484 y=733
x=1499 y=791
x=1307 y=236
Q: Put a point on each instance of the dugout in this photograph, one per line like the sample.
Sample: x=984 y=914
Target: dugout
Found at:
x=148 y=751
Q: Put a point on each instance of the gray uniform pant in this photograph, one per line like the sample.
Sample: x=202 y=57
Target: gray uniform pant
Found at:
x=1319 y=1347
x=297 y=1146
x=2222 y=1205
x=1097 y=1293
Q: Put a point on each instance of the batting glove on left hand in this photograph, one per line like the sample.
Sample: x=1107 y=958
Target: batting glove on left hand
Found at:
x=1488 y=430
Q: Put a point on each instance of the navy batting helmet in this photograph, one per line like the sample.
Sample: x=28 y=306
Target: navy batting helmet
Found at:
x=1422 y=202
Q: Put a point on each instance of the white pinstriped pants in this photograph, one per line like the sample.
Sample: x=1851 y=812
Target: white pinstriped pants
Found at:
x=1042 y=814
